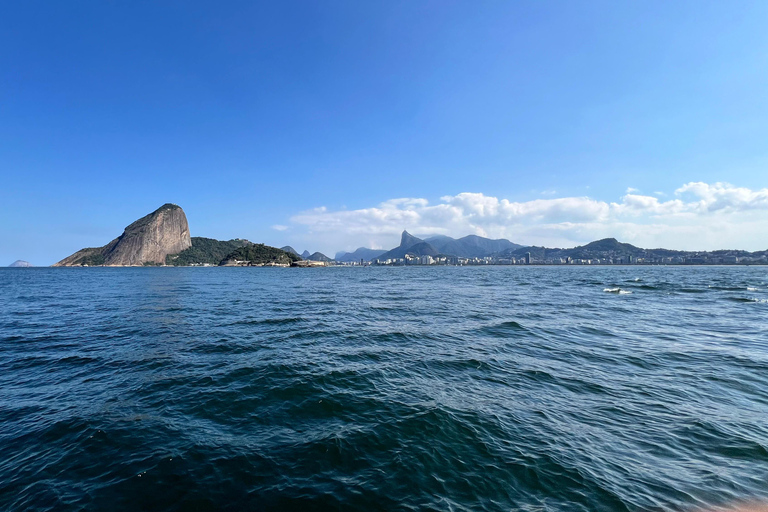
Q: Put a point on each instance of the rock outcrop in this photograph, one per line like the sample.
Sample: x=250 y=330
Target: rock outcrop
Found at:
x=147 y=241
x=409 y=244
x=318 y=256
x=21 y=264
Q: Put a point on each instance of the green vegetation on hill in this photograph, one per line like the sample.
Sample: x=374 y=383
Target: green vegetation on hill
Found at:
x=260 y=254
x=204 y=250
x=92 y=257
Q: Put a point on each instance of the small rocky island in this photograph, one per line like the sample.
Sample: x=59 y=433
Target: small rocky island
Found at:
x=163 y=238
x=21 y=264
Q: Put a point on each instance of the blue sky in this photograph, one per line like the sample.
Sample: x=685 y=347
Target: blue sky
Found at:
x=304 y=122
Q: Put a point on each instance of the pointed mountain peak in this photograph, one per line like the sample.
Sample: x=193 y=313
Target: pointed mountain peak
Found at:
x=408 y=240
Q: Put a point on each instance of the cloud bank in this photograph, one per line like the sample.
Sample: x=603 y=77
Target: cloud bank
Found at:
x=701 y=216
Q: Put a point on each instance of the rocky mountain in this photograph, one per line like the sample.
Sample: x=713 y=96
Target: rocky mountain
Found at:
x=471 y=246
x=409 y=244
x=305 y=254
x=290 y=249
x=318 y=256
x=408 y=240
x=149 y=240
x=20 y=264
x=422 y=249
x=361 y=253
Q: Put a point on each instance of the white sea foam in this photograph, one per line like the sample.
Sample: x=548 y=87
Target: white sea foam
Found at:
x=752 y=289
x=617 y=290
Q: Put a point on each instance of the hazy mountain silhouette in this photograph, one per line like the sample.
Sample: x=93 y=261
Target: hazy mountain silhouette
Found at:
x=360 y=253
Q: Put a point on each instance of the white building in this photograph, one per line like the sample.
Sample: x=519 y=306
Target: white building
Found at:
x=427 y=260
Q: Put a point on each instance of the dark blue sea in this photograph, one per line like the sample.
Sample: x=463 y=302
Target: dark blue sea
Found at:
x=451 y=388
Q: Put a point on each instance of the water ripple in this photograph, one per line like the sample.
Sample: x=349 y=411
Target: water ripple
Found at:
x=497 y=388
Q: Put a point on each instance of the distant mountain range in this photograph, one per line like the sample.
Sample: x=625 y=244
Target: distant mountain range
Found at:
x=359 y=254
x=477 y=249
x=316 y=256
x=593 y=250
x=471 y=246
x=612 y=249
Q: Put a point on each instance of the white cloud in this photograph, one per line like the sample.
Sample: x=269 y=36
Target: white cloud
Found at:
x=702 y=216
x=637 y=205
x=280 y=227
x=632 y=190
x=723 y=196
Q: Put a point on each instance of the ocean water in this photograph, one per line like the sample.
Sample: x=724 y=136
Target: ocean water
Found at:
x=415 y=388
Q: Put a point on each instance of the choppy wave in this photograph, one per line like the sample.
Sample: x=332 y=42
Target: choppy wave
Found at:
x=496 y=388
x=747 y=299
